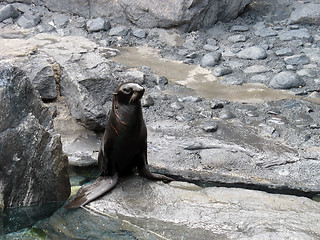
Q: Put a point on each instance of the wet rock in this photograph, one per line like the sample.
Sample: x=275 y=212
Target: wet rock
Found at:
x=256 y=69
x=98 y=24
x=29 y=20
x=8 y=11
x=210 y=59
x=119 y=31
x=306 y=14
x=286 y=80
x=252 y=53
x=226 y=114
x=238 y=38
x=284 y=52
x=34 y=168
x=299 y=59
x=139 y=33
x=221 y=71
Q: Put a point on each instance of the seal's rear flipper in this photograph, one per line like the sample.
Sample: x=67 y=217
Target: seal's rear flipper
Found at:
x=89 y=193
x=145 y=172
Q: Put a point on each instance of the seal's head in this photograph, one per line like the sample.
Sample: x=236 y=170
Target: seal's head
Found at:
x=129 y=93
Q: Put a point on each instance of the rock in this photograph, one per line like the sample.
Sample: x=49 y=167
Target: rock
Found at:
x=284 y=52
x=253 y=53
x=218 y=213
x=286 y=80
x=118 y=31
x=226 y=114
x=265 y=32
x=177 y=106
x=191 y=99
x=211 y=48
x=135 y=76
x=139 y=33
x=147 y=101
x=307 y=73
x=61 y=21
x=256 y=69
x=221 y=71
x=296 y=34
x=33 y=166
x=215 y=104
x=210 y=59
x=162 y=80
x=98 y=24
x=8 y=11
x=238 y=38
x=209 y=126
x=29 y=20
x=306 y=14
x=239 y=28
x=299 y=59
x=232 y=80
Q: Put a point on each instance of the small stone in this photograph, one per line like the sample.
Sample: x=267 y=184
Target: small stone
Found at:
x=314 y=94
x=226 y=114
x=205 y=114
x=284 y=52
x=147 y=101
x=265 y=32
x=237 y=38
x=232 y=80
x=192 y=55
x=162 y=80
x=210 y=59
x=139 y=33
x=29 y=21
x=255 y=69
x=216 y=104
x=253 y=53
x=210 y=127
x=221 y=71
x=61 y=21
x=307 y=73
x=211 y=48
x=135 y=76
x=8 y=11
x=98 y=24
x=184 y=117
x=306 y=14
x=286 y=80
x=177 y=106
x=190 y=99
x=239 y=28
x=299 y=59
x=118 y=31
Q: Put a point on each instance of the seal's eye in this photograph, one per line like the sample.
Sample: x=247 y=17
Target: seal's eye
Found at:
x=127 y=90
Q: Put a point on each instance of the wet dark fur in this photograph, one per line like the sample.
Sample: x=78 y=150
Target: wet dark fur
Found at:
x=123 y=146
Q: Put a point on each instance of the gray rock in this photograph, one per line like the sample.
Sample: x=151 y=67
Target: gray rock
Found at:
x=147 y=101
x=232 y=80
x=296 y=34
x=255 y=69
x=253 y=53
x=265 y=32
x=239 y=28
x=135 y=76
x=191 y=99
x=209 y=126
x=118 y=31
x=221 y=71
x=162 y=80
x=210 y=59
x=209 y=47
x=307 y=73
x=177 y=106
x=217 y=212
x=98 y=24
x=33 y=166
x=139 y=33
x=306 y=14
x=29 y=20
x=284 y=52
x=299 y=59
x=8 y=11
x=226 y=114
x=238 y=38
x=286 y=80
x=61 y=21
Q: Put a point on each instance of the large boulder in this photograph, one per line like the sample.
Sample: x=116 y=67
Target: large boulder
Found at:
x=33 y=168
x=185 y=14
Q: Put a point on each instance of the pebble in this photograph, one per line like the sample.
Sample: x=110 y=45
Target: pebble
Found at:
x=284 y=52
x=307 y=73
x=239 y=28
x=8 y=11
x=161 y=80
x=139 y=33
x=211 y=48
x=265 y=32
x=238 y=38
x=177 y=106
x=221 y=71
x=299 y=59
x=118 y=31
x=255 y=69
x=210 y=59
x=232 y=80
x=209 y=126
x=61 y=21
x=215 y=104
x=226 y=114
x=29 y=21
x=295 y=34
x=98 y=24
x=147 y=101
x=286 y=80
x=253 y=53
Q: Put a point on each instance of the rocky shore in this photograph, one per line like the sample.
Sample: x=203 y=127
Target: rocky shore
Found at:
x=232 y=111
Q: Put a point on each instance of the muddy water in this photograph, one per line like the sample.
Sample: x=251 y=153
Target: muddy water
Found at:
x=201 y=80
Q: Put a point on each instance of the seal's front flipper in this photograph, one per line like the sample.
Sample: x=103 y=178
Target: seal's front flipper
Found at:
x=145 y=172
x=89 y=193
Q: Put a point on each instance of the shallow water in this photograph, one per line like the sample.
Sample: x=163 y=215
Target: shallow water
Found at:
x=200 y=79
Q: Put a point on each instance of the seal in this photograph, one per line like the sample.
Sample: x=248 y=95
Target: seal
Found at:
x=123 y=146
